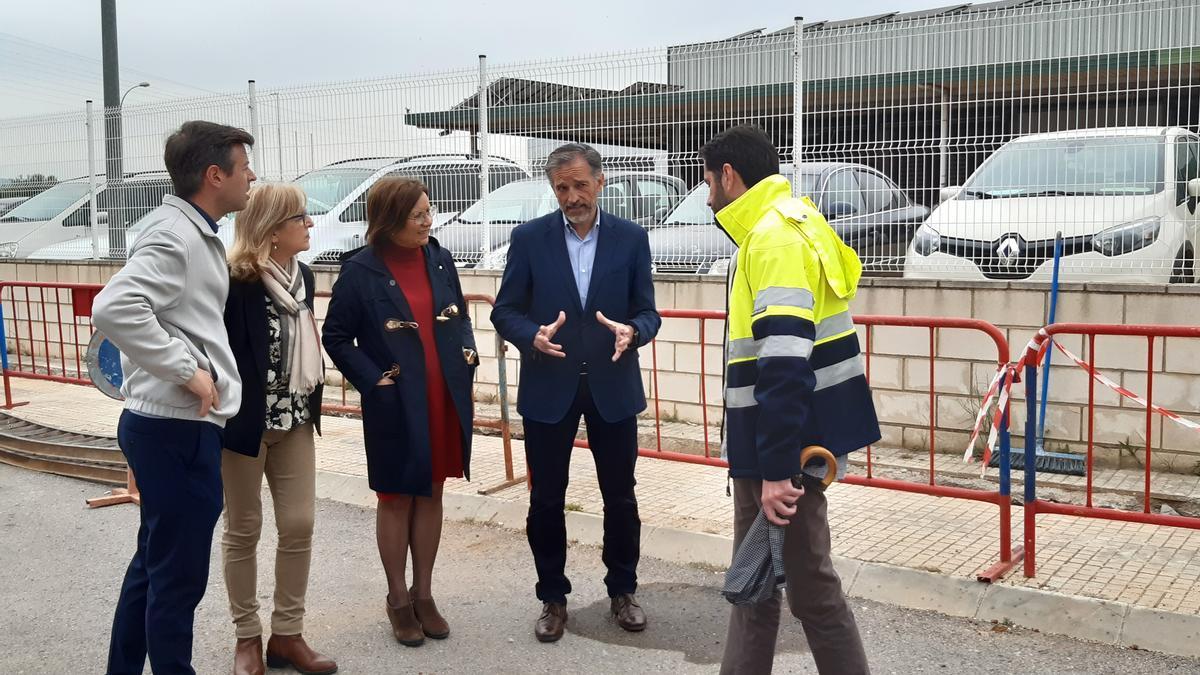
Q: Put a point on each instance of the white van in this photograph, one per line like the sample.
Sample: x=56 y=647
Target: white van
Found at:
x=337 y=195
x=1123 y=198
x=56 y=223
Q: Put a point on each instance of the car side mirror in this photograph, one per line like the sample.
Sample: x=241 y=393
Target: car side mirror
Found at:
x=1193 y=188
x=947 y=193
x=839 y=210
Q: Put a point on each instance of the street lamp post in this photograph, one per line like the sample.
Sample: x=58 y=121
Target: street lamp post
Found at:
x=139 y=85
x=116 y=236
x=278 y=133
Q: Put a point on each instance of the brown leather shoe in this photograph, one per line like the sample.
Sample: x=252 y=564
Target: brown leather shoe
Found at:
x=629 y=613
x=432 y=623
x=292 y=650
x=550 y=625
x=405 y=626
x=248 y=657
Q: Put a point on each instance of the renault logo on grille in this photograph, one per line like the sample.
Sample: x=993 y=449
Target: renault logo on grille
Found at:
x=1008 y=250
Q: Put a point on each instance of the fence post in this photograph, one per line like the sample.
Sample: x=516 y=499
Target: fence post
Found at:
x=91 y=159
x=797 y=102
x=255 y=155
x=278 y=135
x=484 y=177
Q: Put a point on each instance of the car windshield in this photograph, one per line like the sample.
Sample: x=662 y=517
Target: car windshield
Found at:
x=452 y=187
x=47 y=205
x=1107 y=165
x=693 y=210
x=515 y=202
x=326 y=187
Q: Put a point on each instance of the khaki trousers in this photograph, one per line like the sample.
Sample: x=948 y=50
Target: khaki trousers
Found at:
x=814 y=593
x=288 y=460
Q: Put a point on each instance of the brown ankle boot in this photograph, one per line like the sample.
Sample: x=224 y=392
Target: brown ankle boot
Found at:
x=405 y=626
x=432 y=623
x=292 y=650
x=248 y=657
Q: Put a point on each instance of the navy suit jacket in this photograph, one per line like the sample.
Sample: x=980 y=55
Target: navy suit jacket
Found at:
x=539 y=282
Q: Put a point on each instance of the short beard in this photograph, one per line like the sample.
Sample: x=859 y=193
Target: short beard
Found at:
x=719 y=199
x=589 y=219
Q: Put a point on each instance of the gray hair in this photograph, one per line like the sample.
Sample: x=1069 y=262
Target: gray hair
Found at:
x=570 y=152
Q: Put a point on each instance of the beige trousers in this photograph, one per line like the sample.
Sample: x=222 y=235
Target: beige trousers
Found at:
x=288 y=460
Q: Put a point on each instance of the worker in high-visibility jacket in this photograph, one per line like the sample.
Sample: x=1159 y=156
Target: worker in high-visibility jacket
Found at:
x=794 y=377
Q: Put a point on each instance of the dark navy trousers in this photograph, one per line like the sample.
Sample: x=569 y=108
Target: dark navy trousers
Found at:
x=177 y=464
x=548 y=456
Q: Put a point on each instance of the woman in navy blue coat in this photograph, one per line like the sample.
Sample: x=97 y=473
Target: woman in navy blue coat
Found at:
x=398 y=329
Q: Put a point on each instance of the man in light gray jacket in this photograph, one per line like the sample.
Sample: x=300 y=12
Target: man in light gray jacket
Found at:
x=164 y=311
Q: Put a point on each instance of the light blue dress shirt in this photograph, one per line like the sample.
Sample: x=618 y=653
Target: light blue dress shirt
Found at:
x=582 y=253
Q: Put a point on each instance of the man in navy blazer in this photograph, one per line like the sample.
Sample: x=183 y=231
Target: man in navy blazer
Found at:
x=577 y=300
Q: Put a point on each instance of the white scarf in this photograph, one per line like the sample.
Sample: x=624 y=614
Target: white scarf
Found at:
x=301 y=343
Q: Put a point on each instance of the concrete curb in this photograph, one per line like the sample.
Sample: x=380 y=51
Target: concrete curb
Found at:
x=1114 y=623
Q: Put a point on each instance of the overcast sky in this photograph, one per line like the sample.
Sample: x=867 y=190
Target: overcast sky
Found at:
x=50 y=50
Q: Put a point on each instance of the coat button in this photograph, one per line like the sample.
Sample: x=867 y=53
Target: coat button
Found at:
x=391 y=282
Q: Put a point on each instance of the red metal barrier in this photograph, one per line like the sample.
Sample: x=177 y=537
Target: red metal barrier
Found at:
x=1008 y=556
x=61 y=313
x=56 y=312
x=61 y=295
x=1031 y=360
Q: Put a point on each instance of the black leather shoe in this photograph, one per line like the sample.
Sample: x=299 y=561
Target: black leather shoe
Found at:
x=629 y=613
x=550 y=624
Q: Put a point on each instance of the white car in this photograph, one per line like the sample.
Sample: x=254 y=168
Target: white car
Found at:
x=337 y=195
x=84 y=249
x=644 y=197
x=1123 y=198
x=59 y=219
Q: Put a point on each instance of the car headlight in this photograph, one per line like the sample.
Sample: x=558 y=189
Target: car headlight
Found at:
x=8 y=249
x=927 y=241
x=1128 y=237
x=720 y=267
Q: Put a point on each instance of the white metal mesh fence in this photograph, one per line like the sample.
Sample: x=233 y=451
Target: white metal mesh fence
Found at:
x=955 y=143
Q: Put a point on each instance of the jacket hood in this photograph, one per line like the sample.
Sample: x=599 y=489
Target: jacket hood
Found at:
x=840 y=263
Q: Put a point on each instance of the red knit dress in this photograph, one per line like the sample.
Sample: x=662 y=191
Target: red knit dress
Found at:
x=407 y=266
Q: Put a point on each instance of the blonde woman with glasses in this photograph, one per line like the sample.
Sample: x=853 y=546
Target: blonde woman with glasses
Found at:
x=273 y=334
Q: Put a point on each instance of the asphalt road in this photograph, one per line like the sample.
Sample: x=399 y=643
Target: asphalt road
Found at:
x=61 y=567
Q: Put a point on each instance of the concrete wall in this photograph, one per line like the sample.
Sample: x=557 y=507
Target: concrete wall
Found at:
x=899 y=363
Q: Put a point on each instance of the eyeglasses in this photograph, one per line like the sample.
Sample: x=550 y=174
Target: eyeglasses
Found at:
x=303 y=217
x=418 y=216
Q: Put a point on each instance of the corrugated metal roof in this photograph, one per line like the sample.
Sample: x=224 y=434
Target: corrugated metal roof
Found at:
x=901 y=17
x=1011 y=31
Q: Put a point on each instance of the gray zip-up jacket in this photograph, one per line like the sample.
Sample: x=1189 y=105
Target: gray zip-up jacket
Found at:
x=165 y=311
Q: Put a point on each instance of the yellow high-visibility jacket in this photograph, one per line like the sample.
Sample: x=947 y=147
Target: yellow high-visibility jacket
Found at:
x=794 y=372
